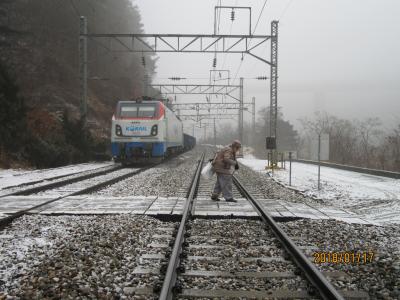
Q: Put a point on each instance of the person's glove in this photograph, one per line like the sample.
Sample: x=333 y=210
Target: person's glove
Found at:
x=237 y=166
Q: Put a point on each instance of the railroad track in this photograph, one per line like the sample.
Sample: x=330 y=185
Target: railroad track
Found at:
x=58 y=181
x=233 y=259
x=59 y=190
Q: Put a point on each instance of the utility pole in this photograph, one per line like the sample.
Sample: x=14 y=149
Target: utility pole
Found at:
x=83 y=69
x=215 y=134
x=146 y=84
x=253 y=122
x=241 y=111
x=319 y=161
x=274 y=89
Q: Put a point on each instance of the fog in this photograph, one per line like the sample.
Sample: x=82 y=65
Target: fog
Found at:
x=337 y=56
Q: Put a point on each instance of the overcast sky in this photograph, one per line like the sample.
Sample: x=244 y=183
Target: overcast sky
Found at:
x=340 y=56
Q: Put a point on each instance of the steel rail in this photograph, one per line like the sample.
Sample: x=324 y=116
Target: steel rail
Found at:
x=7 y=220
x=325 y=288
x=25 y=184
x=171 y=273
x=56 y=184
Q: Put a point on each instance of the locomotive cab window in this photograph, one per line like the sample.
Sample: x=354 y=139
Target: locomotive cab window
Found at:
x=137 y=111
x=147 y=111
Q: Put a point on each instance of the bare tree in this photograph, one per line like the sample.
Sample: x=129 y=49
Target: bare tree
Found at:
x=368 y=131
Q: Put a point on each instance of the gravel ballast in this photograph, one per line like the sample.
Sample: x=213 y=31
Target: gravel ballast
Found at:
x=235 y=246
x=171 y=178
x=380 y=277
x=66 y=257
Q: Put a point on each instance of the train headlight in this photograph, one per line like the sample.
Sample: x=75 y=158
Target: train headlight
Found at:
x=154 y=130
x=118 y=130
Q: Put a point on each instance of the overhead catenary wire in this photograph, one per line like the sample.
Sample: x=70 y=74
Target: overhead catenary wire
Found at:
x=255 y=27
x=258 y=20
x=237 y=72
x=285 y=9
x=76 y=10
x=230 y=33
x=259 y=16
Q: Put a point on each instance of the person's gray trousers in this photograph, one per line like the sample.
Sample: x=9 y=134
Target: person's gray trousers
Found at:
x=224 y=185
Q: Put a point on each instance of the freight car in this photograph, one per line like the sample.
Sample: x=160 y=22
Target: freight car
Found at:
x=189 y=141
x=146 y=131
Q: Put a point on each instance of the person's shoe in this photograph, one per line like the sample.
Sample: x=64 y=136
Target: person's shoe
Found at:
x=231 y=200
x=215 y=198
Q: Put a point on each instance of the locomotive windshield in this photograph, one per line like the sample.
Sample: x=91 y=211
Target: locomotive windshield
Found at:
x=134 y=110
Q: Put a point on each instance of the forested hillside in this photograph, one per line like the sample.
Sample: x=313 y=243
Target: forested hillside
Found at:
x=39 y=54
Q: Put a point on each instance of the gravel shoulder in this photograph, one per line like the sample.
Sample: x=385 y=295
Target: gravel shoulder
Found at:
x=262 y=185
x=69 y=257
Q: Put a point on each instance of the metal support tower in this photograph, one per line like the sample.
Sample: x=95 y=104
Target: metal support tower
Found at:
x=241 y=111
x=145 y=84
x=83 y=69
x=253 y=122
x=274 y=87
x=182 y=43
x=186 y=43
x=215 y=134
x=200 y=117
x=197 y=89
x=211 y=106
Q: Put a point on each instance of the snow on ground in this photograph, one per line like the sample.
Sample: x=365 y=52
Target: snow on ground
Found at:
x=10 y=177
x=375 y=197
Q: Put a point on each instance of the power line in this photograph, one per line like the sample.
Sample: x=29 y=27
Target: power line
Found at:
x=259 y=16
x=258 y=20
x=237 y=72
x=74 y=8
x=255 y=27
x=219 y=15
x=230 y=32
x=285 y=9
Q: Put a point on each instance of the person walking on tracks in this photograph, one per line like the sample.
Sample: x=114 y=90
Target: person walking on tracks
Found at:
x=225 y=164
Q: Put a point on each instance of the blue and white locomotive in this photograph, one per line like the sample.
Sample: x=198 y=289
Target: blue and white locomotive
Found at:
x=146 y=131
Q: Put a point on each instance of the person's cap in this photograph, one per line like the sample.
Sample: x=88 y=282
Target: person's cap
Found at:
x=237 y=143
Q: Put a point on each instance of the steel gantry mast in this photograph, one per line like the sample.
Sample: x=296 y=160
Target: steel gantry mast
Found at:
x=208 y=89
x=209 y=106
x=186 y=43
x=273 y=92
x=198 y=89
x=83 y=69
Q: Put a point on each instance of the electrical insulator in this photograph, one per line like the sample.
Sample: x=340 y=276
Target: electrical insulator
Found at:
x=143 y=61
x=214 y=62
x=261 y=77
x=232 y=15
